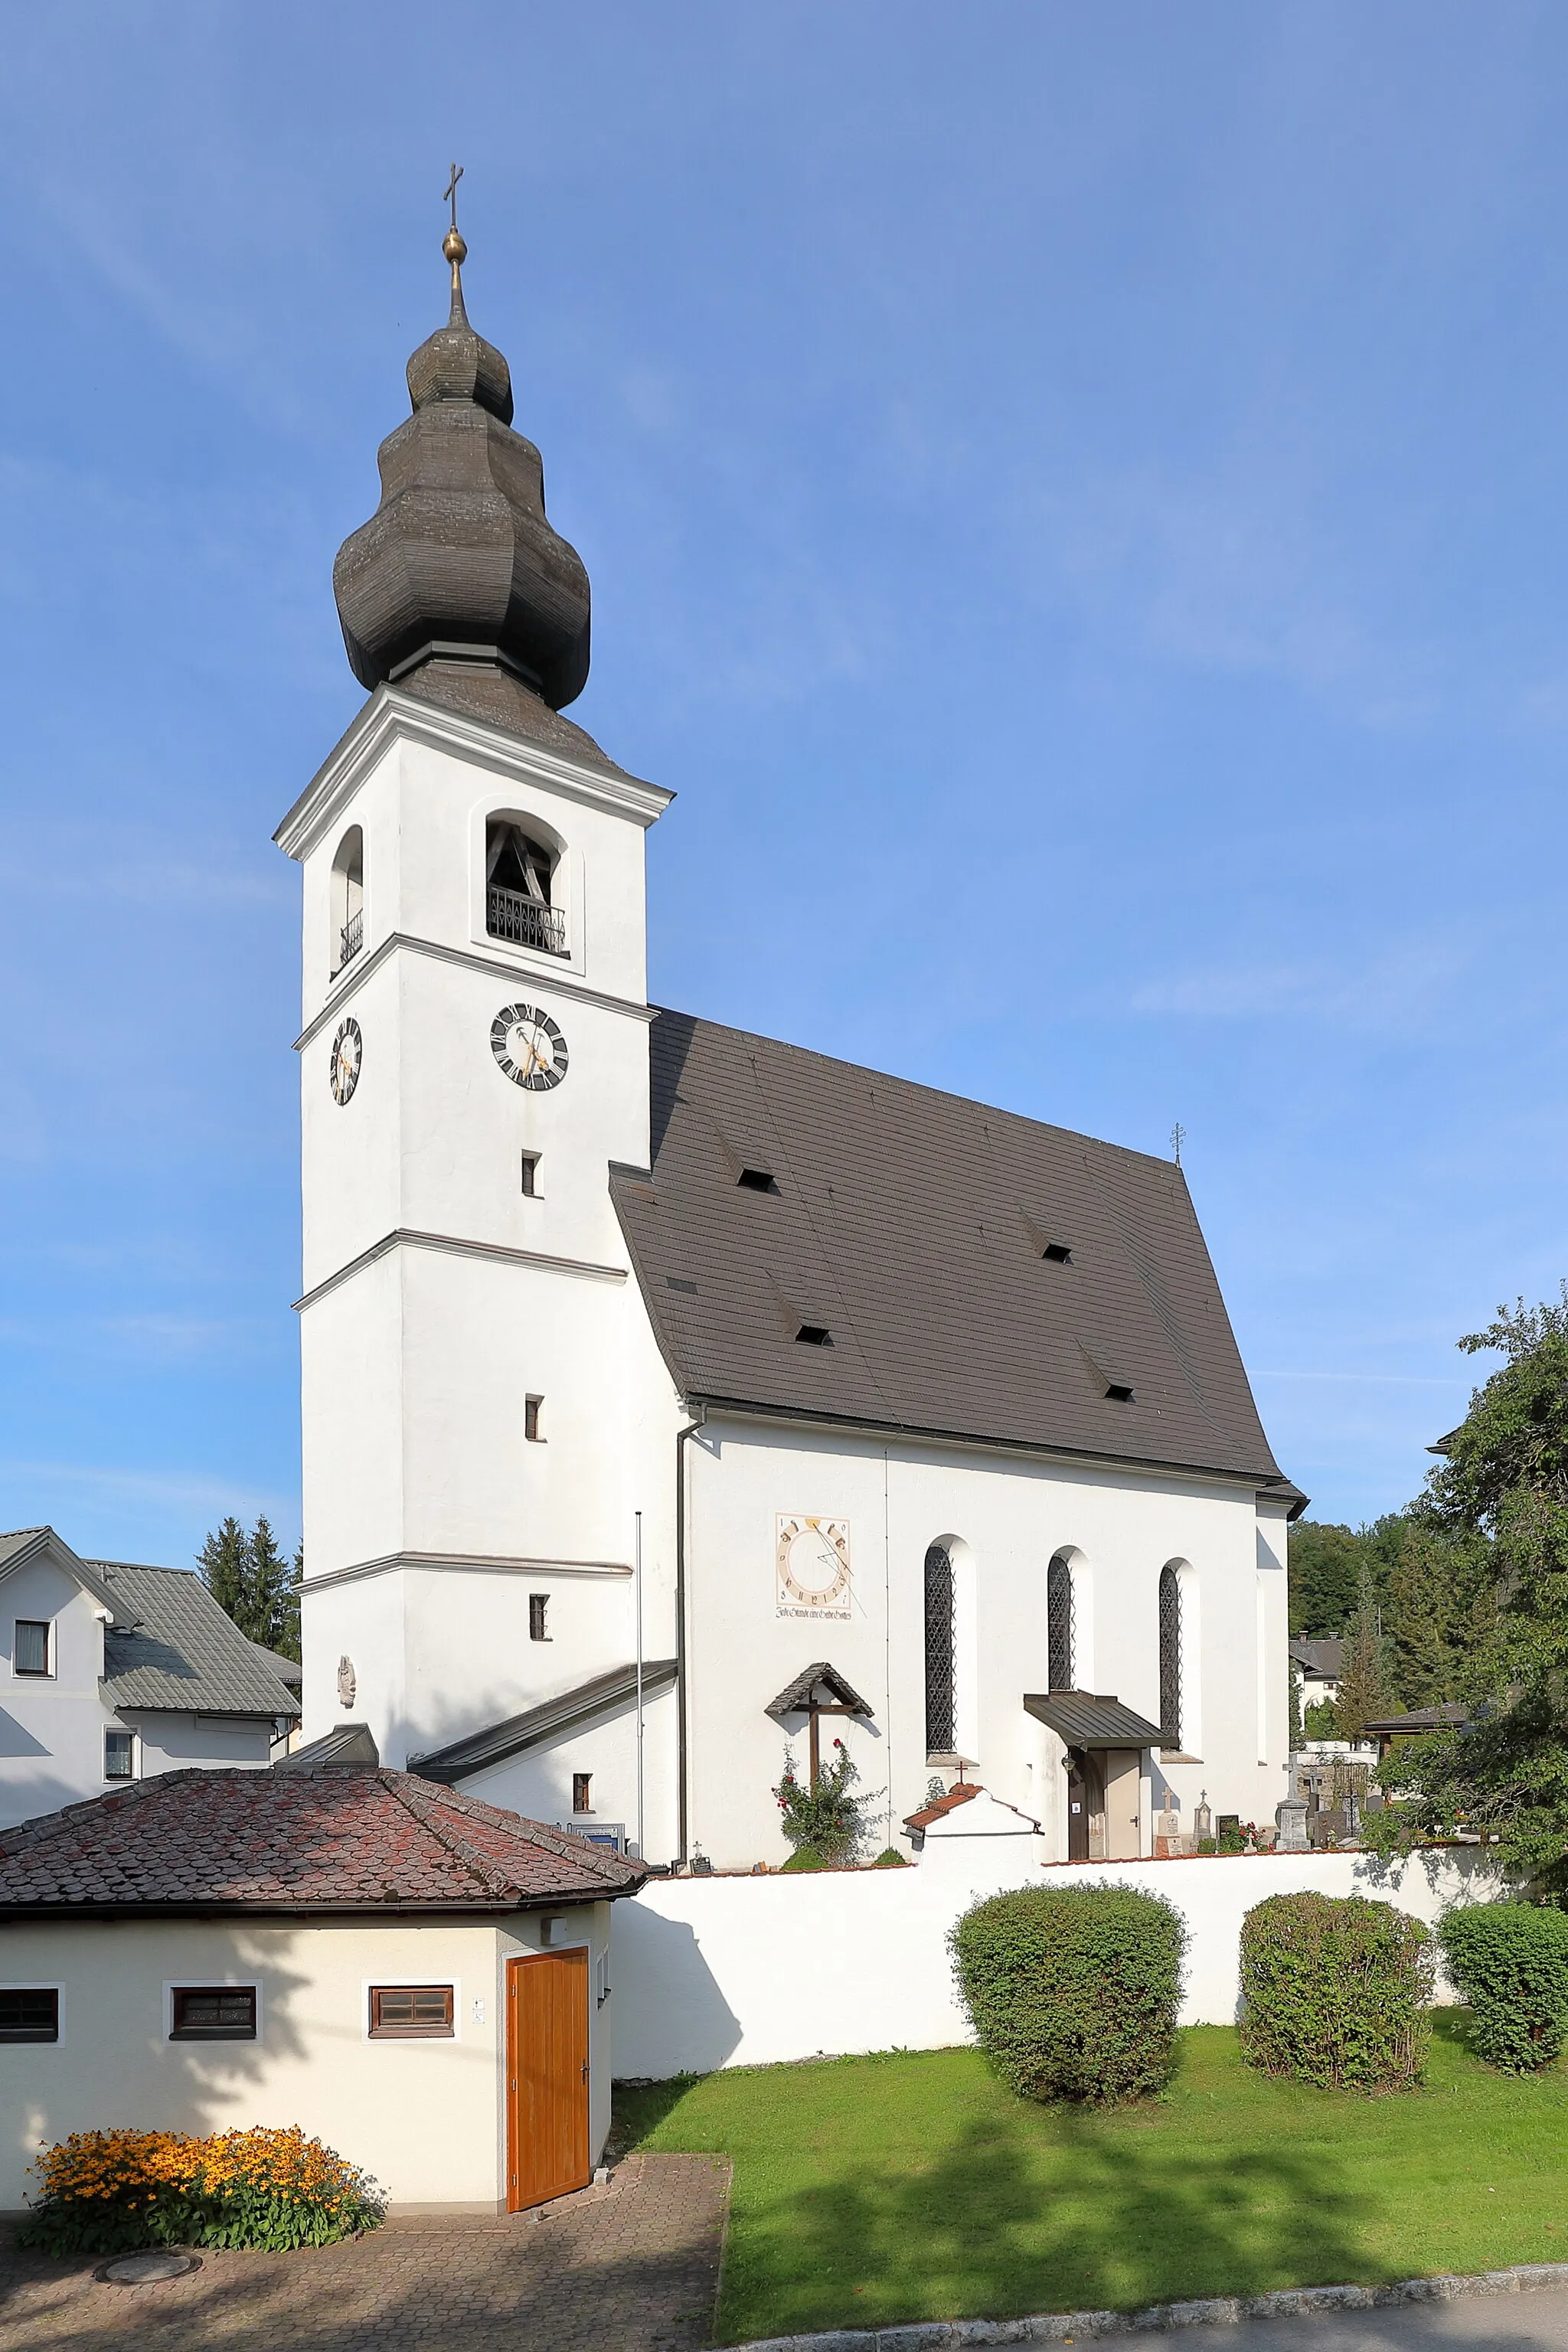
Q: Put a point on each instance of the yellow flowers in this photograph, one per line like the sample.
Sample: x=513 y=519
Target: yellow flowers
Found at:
x=257 y=2188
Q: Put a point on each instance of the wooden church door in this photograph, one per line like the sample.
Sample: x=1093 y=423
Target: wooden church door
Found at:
x=546 y=2076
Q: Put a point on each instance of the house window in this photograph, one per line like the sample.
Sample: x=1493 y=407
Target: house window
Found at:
x=538 y=1614
x=581 y=1792
x=348 y=899
x=531 y=1175
x=212 y=2013
x=519 y=881
x=120 y=1755
x=940 y=1675
x=1171 y=1657
x=1060 y=1625
x=532 y=1408
x=29 y=2013
x=411 y=2013
x=30 y=1646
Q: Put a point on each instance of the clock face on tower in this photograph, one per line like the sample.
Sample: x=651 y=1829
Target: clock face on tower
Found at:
x=348 y=1052
x=529 y=1047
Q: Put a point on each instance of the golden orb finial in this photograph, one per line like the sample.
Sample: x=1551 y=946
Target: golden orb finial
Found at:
x=452 y=245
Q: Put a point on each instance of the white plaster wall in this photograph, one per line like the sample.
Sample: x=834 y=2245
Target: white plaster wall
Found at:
x=52 y=1725
x=1012 y=1514
x=538 y=1783
x=427 y=2118
x=759 y=1971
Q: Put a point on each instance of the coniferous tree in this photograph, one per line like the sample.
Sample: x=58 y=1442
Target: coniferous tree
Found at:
x=224 y=1563
x=254 y=1584
x=1363 y=1696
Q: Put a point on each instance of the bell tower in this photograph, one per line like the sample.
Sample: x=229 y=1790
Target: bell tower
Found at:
x=474 y=1358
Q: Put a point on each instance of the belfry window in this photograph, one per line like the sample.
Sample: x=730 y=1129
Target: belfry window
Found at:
x=348 y=899
x=520 y=874
x=940 y=1645
x=1060 y=1625
x=1171 y=1657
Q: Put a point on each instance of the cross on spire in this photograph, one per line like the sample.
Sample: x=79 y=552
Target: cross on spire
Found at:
x=452 y=245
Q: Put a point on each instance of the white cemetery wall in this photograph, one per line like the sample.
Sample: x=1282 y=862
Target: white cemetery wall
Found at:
x=712 y=1972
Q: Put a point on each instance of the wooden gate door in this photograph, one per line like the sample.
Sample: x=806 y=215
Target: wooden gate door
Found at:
x=546 y=2076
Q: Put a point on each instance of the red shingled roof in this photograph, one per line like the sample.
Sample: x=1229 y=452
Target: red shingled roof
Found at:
x=959 y=1794
x=335 y=1839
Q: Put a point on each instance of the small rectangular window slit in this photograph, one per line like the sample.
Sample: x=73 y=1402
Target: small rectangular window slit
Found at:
x=582 y=1789
x=1057 y=1253
x=756 y=1180
x=1118 y=1392
x=538 y=1614
x=532 y=1408
x=531 y=1175
x=813 y=1335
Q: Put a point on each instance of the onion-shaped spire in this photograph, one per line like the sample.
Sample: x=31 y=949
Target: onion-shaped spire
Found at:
x=460 y=562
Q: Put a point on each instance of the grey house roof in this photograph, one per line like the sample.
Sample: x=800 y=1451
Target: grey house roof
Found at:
x=1325 y=1658
x=790 y=1194
x=184 y=1652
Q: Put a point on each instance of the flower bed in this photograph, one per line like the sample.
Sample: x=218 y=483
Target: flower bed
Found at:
x=108 y=2191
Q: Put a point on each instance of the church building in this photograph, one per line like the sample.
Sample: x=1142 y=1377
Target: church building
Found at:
x=674 y=1398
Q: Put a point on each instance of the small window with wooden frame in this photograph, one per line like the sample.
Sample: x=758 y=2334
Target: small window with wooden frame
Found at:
x=412 y=2013
x=212 y=2012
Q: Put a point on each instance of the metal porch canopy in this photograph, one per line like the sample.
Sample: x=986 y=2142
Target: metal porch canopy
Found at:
x=1088 y=1719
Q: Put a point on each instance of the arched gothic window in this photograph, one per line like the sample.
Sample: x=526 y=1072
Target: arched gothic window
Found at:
x=1060 y=1625
x=942 y=1735
x=348 y=899
x=1170 y=1656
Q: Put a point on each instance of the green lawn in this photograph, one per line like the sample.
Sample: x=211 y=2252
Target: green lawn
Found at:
x=913 y=2186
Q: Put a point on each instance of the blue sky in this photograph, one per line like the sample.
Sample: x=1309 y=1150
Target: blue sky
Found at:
x=1076 y=506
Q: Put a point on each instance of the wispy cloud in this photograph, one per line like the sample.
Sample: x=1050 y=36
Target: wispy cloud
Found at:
x=203 y=1492
x=1410 y=983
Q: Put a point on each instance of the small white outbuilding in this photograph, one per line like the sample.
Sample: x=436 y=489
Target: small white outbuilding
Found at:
x=416 y=1978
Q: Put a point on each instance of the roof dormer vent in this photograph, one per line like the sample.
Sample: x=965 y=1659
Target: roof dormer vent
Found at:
x=813 y=1335
x=756 y=1180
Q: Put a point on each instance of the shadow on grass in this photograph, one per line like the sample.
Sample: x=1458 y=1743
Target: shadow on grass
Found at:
x=1116 y=2218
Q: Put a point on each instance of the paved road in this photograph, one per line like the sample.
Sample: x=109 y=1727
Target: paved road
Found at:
x=630 y=2267
x=1515 y=2322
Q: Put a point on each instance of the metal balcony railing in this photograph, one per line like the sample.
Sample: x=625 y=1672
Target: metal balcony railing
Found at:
x=525 y=921
x=351 y=939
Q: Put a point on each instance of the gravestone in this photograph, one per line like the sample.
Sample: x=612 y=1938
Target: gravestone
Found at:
x=1291 y=1821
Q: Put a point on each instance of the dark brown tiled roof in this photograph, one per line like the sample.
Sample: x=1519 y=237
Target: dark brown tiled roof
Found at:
x=340 y=1839
x=912 y=1227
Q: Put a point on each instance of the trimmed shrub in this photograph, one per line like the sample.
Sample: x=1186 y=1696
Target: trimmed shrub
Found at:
x=1510 y=1960
x=1073 y=1991
x=106 y=2192
x=1335 y=1990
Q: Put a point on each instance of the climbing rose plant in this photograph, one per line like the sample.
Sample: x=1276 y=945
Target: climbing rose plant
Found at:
x=825 y=1824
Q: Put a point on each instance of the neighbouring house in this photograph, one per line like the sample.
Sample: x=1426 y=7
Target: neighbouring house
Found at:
x=416 y=1978
x=1419 y=1723
x=112 y=1673
x=652 y=1370
x=1317 y=1667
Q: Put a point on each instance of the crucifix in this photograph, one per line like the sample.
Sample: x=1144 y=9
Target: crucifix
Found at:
x=449 y=194
x=813 y=1712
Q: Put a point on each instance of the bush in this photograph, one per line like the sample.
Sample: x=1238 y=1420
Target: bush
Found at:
x=1073 y=1991
x=106 y=2192
x=1510 y=1960
x=1334 y=1991
x=823 y=1817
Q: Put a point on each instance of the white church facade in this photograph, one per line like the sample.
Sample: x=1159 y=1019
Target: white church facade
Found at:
x=660 y=1378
